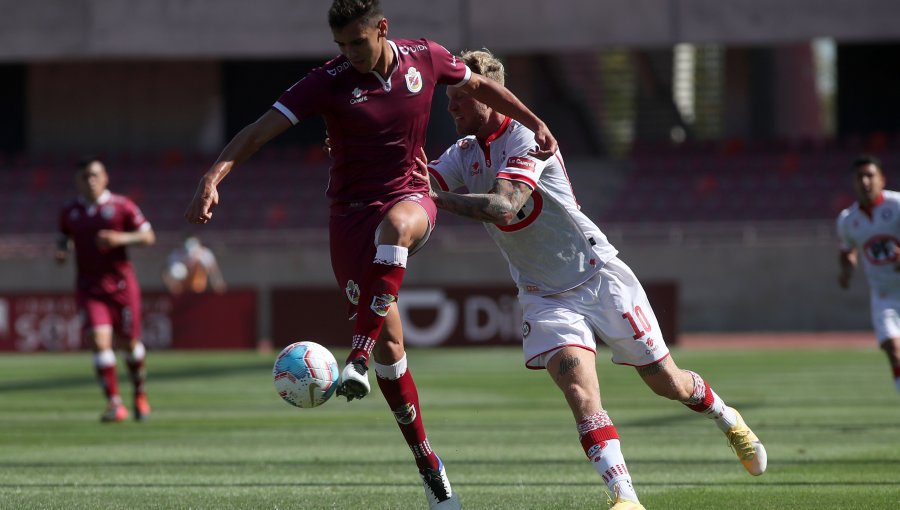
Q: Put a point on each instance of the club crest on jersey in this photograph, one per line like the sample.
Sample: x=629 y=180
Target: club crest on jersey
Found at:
x=381 y=304
x=352 y=291
x=405 y=414
x=107 y=212
x=413 y=80
x=359 y=96
x=463 y=144
x=526 y=329
x=476 y=168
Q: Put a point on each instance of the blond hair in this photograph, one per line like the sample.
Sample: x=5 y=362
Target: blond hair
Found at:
x=484 y=62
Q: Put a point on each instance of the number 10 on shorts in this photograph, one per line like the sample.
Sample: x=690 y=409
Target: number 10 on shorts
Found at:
x=644 y=323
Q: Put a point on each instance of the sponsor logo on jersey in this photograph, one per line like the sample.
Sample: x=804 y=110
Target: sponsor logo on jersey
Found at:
x=74 y=214
x=352 y=291
x=520 y=163
x=405 y=414
x=532 y=288
x=881 y=250
x=107 y=212
x=415 y=48
x=359 y=96
x=526 y=329
x=334 y=71
x=413 y=80
x=381 y=304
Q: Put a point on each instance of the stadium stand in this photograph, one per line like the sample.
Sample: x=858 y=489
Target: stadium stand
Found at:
x=283 y=188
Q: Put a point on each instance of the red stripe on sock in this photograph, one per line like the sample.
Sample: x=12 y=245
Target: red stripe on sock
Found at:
x=708 y=400
x=598 y=437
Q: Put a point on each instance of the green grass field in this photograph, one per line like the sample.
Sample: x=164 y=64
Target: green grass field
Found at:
x=221 y=438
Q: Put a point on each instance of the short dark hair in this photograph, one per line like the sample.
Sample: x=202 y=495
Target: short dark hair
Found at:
x=344 y=12
x=866 y=159
x=86 y=161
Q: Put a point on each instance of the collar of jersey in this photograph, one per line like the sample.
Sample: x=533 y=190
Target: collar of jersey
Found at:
x=386 y=84
x=486 y=143
x=878 y=201
x=102 y=199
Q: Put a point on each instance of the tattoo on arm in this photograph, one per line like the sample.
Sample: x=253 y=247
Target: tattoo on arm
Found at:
x=653 y=368
x=500 y=205
x=566 y=365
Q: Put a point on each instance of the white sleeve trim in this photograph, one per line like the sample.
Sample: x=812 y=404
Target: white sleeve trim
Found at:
x=465 y=79
x=286 y=112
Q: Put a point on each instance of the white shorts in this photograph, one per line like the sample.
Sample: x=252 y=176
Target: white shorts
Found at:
x=885 y=316
x=611 y=306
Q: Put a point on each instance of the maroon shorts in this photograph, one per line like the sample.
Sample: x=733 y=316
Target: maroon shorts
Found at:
x=352 y=228
x=119 y=307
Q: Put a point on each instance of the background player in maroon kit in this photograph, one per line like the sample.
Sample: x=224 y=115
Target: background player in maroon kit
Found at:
x=101 y=225
x=376 y=99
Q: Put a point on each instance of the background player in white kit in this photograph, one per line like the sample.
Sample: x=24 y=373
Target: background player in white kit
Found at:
x=871 y=226
x=572 y=287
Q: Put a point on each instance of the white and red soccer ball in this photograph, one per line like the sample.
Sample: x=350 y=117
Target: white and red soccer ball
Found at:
x=306 y=374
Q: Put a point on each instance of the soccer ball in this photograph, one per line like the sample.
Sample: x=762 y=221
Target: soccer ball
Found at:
x=306 y=374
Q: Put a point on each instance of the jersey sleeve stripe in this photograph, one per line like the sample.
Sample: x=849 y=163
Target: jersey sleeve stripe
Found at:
x=517 y=177
x=286 y=112
x=439 y=178
x=465 y=79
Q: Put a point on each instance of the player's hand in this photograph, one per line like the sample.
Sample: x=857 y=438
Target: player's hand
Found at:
x=422 y=174
x=546 y=144
x=205 y=199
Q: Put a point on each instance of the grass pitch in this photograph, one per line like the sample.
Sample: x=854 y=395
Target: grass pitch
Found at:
x=221 y=438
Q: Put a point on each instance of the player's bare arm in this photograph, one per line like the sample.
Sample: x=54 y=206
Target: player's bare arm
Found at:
x=847 y=261
x=501 y=99
x=115 y=238
x=239 y=149
x=499 y=206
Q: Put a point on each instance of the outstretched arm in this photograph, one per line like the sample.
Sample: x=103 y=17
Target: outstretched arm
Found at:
x=115 y=238
x=239 y=149
x=499 y=206
x=501 y=99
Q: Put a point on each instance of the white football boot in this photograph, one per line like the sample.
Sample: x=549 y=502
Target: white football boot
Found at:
x=438 y=492
x=354 y=381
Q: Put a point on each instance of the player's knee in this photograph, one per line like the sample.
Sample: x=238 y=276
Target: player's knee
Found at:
x=575 y=392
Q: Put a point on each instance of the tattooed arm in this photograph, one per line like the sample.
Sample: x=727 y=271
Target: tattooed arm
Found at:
x=498 y=206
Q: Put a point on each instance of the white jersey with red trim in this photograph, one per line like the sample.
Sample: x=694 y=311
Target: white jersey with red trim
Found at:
x=875 y=234
x=553 y=246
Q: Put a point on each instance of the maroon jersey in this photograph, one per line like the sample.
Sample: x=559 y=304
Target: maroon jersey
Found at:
x=375 y=125
x=101 y=270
